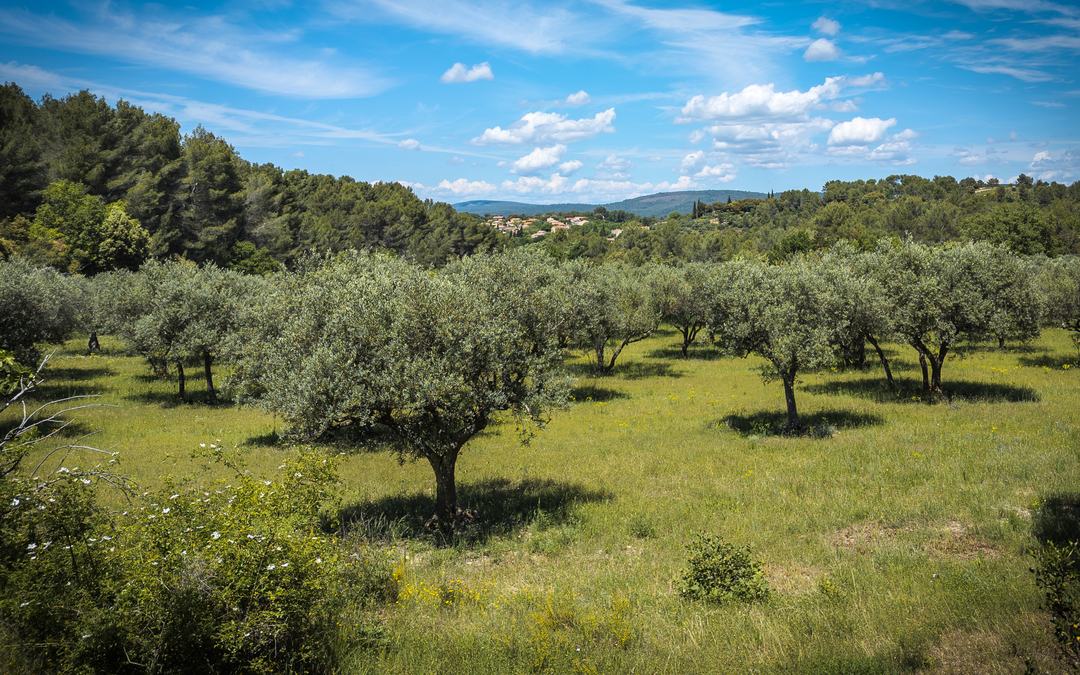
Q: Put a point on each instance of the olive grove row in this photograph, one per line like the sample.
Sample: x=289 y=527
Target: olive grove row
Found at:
x=375 y=349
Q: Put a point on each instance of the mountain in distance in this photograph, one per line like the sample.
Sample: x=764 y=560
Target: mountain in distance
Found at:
x=659 y=204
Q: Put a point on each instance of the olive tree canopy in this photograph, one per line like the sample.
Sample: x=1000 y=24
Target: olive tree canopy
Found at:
x=787 y=314
x=387 y=352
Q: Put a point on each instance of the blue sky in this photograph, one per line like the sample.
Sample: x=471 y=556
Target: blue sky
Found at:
x=586 y=101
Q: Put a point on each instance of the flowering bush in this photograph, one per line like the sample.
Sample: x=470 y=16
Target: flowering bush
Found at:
x=237 y=575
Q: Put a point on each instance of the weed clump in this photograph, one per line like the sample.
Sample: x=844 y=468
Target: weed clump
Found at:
x=722 y=572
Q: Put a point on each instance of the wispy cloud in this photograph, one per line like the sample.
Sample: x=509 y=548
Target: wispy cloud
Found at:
x=208 y=46
x=537 y=29
x=1020 y=73
x=459 y=73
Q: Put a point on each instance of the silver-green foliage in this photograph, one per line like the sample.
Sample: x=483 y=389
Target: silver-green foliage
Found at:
x=787 y=314
x=385 y=351
x=614 y=305
x=943 y=295
x=38 y=306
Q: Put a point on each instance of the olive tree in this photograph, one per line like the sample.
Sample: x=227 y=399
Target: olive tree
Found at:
x=386 y=352
x=866 y=307
x=787 y=314
x=682 y=293
x=175 y=313
x=38 y=306
x=1059 y=279
x=614 y=306
x=944 y=295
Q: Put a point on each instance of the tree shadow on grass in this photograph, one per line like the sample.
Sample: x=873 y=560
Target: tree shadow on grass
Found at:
x=1009 y=348
x=695 y=353
x=1057 y=520
x=77 y=374
x=631 y=370
x=498 y=506
x=171 y=399
x=51 y=390
x=821 y=424
x=909 y=390
x=1054 y=361
x=588 y=392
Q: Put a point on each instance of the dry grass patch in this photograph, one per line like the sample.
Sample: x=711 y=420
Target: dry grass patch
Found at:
x=956 y=541
x=793 y=579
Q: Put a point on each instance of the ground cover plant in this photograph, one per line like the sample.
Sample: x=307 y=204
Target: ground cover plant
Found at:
x=901 y=542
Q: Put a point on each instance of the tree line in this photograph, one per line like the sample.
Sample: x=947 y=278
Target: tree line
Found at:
x=1031 y=217
x=88 y=187
x=379 y=349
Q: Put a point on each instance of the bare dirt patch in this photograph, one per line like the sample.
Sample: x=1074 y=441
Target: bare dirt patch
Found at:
x=957 y=541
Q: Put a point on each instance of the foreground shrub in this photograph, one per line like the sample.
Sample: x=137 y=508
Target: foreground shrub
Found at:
x=722 y=572
x=1057 y=568
x=236 y=577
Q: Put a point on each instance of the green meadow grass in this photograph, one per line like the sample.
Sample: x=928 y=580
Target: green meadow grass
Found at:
x=898 y=543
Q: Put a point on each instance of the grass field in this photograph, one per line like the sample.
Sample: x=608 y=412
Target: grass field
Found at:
x=898 y=543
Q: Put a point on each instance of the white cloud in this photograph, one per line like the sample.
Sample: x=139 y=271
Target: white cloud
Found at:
x=896 y=149
x=554 y=184
x=860 y=131
x=762 y=100
x=1022 y=74
x=821 y=49
x=578 y=98
x=719 y=173
x=459 y=73
x=570 y=167
x=614 y=168
x=826 y=26
x=409 y=144
x=206 y=46
x=1060 y=166
x=464 y=186
x=539 y=158
x=692 y=161
x=541 y=127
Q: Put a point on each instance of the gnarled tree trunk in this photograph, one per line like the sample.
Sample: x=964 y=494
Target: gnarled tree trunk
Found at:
x=884 y=361
x=789 y=396
x=446 y=505
x=180 y=380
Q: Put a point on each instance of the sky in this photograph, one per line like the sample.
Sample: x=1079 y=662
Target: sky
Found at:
x=585 y=101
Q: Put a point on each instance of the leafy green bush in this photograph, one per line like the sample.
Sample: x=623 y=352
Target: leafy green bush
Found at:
x=1057 y=567
x=236 y=575
x=1057 y=574
x=722 y=572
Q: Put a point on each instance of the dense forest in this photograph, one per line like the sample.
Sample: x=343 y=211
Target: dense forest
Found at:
x=87 y=186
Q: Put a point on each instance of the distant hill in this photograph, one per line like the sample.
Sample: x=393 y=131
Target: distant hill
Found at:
x=659 y=204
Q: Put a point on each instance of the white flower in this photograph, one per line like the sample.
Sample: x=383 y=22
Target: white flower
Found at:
x=215 y=535
x=63 y=469
x=85 y=481
x=15 y=502
x=318 y=560
x=271 y=567
x=202 y=445
x=284 y=564
x=166 y=510
x=31 y=547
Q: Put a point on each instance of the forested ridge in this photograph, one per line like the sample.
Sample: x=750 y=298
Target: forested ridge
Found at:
x=89 y=187
x=67 y=163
